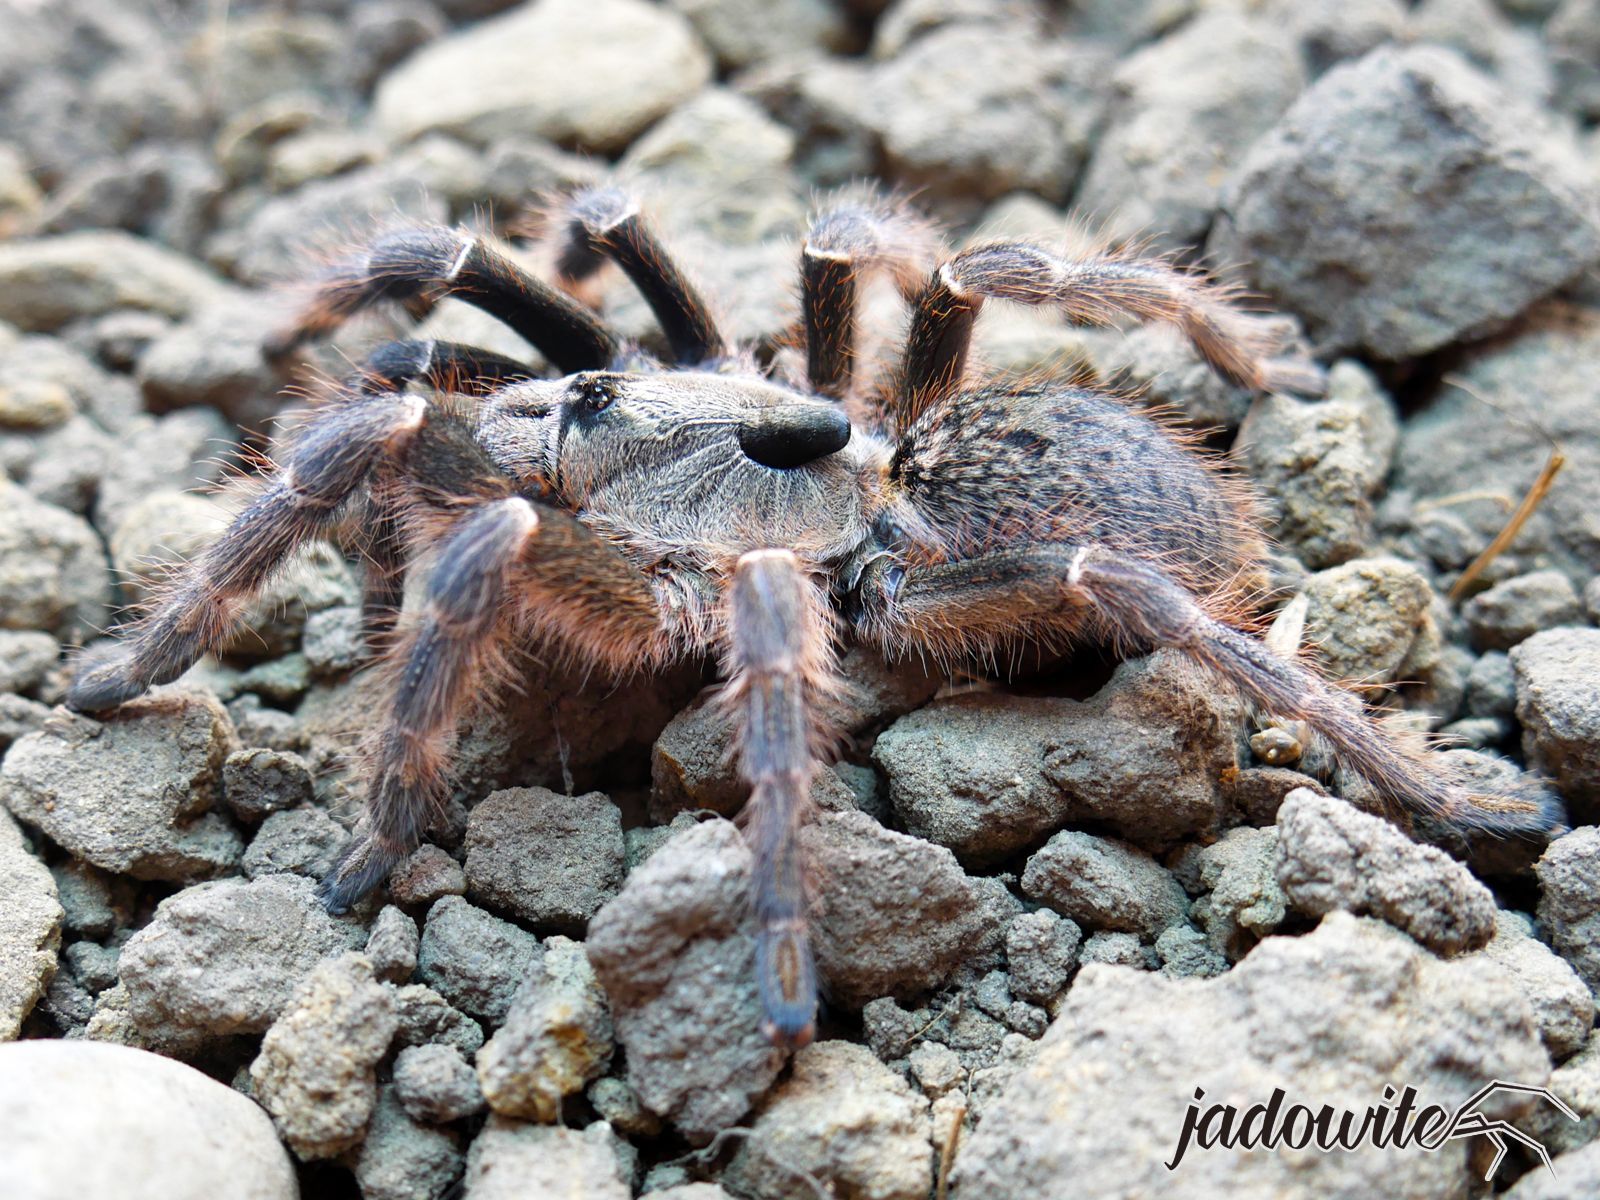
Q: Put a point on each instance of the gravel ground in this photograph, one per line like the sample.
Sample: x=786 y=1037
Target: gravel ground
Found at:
x=1052 y=910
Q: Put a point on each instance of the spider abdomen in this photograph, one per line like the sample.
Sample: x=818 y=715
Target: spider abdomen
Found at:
x=1009 y=465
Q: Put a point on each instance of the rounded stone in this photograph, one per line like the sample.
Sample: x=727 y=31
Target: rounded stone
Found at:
x=81 y=1118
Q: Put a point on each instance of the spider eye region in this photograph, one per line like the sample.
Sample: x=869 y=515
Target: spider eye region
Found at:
x=594 y=393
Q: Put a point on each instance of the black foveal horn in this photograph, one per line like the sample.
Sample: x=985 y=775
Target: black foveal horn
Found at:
x=792 y=435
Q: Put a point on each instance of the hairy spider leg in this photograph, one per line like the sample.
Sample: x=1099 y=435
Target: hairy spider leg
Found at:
x=381 y=541
x=417 y=267
x=1139 y=606
x=506 y=566
x=1093 y=291
x=333 y=456
x=605 y=223
x=850 y=238
x=781 y=667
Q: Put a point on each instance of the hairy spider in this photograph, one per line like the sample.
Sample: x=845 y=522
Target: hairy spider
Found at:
x=635 y=511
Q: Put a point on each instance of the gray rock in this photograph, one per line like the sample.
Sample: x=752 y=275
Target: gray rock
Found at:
x=1331 y=856
x=685 y=1191
x=1438 y=150
x=50 y=281
x=333 y=640
x=427 y=1018
x=1560 y=711
x=316 y=1070
x=556 y=1039
x=1569 y=900
x=843 y=1120
x=383 y=34
x=1572 y=40
x=392 y=945
x=1515 y=609
x=1577 y=1081
x=1186 y=953
x=224 y=958
x=80 y=1118
x=30 y=929
x=897 y=916
x=1244 y=903
x=19 y=717
x=1041 y=954
x=93 y=965
x=429 y=874
x=52 y=570
x=975 y=112
x=675 y=952
x=511 y=1160
x=476 y=84
x=1573 y=1176
x=301 y=841
x=1370 y=620
x=1183 y=113
x=825 y=101
x=989 y=774
x=264 y=54
x=936 y=1067
x=215 y=360
x=1562 y=1004
x=184 y=449
x=618 y=1104
x=904 y=21
x=475 y=960
x=1331 y=1017
x=402 y=1159
x=259 y=782
x=1104 y=884
x=156 y=532
x=1491 y=436
x=66 y=465
x=1331 y=33
x=1492 y=686
x=1480 y=33
x=549 y=861
x=742 y=36
x=25 y=656
x=435 y=1084
x=1320 y=465
x=96 y=903
x=131 y=793
x=285 y=236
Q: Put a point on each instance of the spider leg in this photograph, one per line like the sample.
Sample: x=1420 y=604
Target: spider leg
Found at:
x=333 y=456
x=849 y=238
x=780 y=661
x=445 y=367
x=417 y=267
x=989 y=600
x=1094 y=291
x=605 y=223
x=506 y=563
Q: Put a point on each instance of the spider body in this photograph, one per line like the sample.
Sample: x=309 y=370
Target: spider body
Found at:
x=631 y=512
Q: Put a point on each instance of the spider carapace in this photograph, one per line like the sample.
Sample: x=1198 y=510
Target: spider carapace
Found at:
x=638 y=509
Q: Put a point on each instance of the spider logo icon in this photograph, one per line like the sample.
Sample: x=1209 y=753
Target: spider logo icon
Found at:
x=1467 y=1122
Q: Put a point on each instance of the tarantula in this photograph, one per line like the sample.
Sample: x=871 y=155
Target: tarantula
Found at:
x=636 y=511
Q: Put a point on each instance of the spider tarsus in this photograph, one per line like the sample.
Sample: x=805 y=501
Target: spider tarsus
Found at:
x=605 y=223
x=782 y=666
x=361 y=868
x=104 y=680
